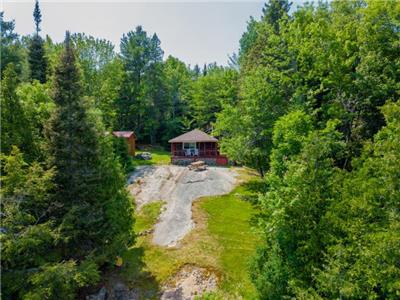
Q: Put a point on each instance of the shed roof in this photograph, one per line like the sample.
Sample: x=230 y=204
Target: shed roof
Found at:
x=124 y=134
x=193 y=136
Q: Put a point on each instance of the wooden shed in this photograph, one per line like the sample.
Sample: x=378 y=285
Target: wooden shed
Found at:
x=130 y=138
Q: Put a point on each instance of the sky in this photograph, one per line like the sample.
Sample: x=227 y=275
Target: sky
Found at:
x=195 y=31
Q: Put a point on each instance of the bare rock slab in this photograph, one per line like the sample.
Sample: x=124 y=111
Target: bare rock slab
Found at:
x=178 y=187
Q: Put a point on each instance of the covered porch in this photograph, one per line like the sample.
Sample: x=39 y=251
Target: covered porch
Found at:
x=194 y=149
x=196 y=145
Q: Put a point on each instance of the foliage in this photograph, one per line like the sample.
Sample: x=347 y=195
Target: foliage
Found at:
x=15 y=125
x=37 y=59
x=11 y=50
x=37 y=16
x=61 y=224
x=38 y=106
x=361 y=260
x=210 y=92
x=263 y=92
x=90 y=187
x=309 y=102
x=142 y=97
x=121 y=152
x=293 y=208
x=102 y=74
x=178 y=82
x=27 y=232
x=288 y=137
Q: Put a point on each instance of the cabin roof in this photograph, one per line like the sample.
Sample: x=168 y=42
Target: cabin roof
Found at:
x=124 y=134
x=195 y=135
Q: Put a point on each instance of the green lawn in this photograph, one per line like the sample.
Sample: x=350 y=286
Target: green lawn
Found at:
x=159 y=157
x=229 y=223
x=222 y=241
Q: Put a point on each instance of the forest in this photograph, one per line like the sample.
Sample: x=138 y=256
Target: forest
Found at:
x=310 y=102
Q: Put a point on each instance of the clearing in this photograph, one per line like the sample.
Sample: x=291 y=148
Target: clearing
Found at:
x=211 y=259
x=178 y=187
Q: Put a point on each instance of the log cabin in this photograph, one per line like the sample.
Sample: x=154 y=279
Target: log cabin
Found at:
x=196 y=145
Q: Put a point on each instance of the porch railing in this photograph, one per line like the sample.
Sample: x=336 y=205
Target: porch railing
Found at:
x=203 y=153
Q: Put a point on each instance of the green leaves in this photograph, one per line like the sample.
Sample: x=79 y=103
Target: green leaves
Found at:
x=210 y=93
x=60 y=225
x=363 y=261
x=61 y=280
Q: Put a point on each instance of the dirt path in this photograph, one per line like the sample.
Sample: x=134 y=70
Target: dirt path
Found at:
x=178 y=187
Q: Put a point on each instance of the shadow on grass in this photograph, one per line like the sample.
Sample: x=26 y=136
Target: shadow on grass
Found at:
x=250 y=191
x=256 y=186
x=134 y=273
x=141 y=162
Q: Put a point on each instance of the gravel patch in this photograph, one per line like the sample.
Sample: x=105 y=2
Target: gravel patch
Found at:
x=190 y=282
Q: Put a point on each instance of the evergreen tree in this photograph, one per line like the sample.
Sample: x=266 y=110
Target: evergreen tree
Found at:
x=94 y=212
x=37 y=59
x=248 y=37
x=196 y=70
x=205 y=69
x=274 y=11
x=15 y=128
x=142 y=94
x=11 y=50
x=37 y=16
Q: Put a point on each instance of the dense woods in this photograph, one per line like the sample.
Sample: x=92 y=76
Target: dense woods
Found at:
x=310 y=101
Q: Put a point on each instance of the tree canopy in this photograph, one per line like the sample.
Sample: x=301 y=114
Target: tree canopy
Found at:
x=309 y=101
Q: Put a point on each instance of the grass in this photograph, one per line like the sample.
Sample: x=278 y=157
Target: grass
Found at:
x=147 y=216
x=158 y=157
x=229 y=219
x=222 y=241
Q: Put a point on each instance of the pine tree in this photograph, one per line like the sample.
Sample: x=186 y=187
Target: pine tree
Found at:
x=94 y=209
x=37 y=59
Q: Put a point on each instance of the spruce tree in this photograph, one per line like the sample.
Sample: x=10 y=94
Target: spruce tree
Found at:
x=37 y=16
x=95 y=213
x=37 y=59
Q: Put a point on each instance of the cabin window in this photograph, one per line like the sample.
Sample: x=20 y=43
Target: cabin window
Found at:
x=189 y=145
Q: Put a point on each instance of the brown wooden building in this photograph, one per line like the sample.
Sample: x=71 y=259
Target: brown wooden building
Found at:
x=196 y=145
x=130 y=138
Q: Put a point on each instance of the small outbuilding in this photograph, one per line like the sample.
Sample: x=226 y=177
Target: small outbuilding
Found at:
x=130 y=139
x=196 y=145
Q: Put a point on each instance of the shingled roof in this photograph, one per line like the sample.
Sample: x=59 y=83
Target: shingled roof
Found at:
x=193 y=136
x=124 y=134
